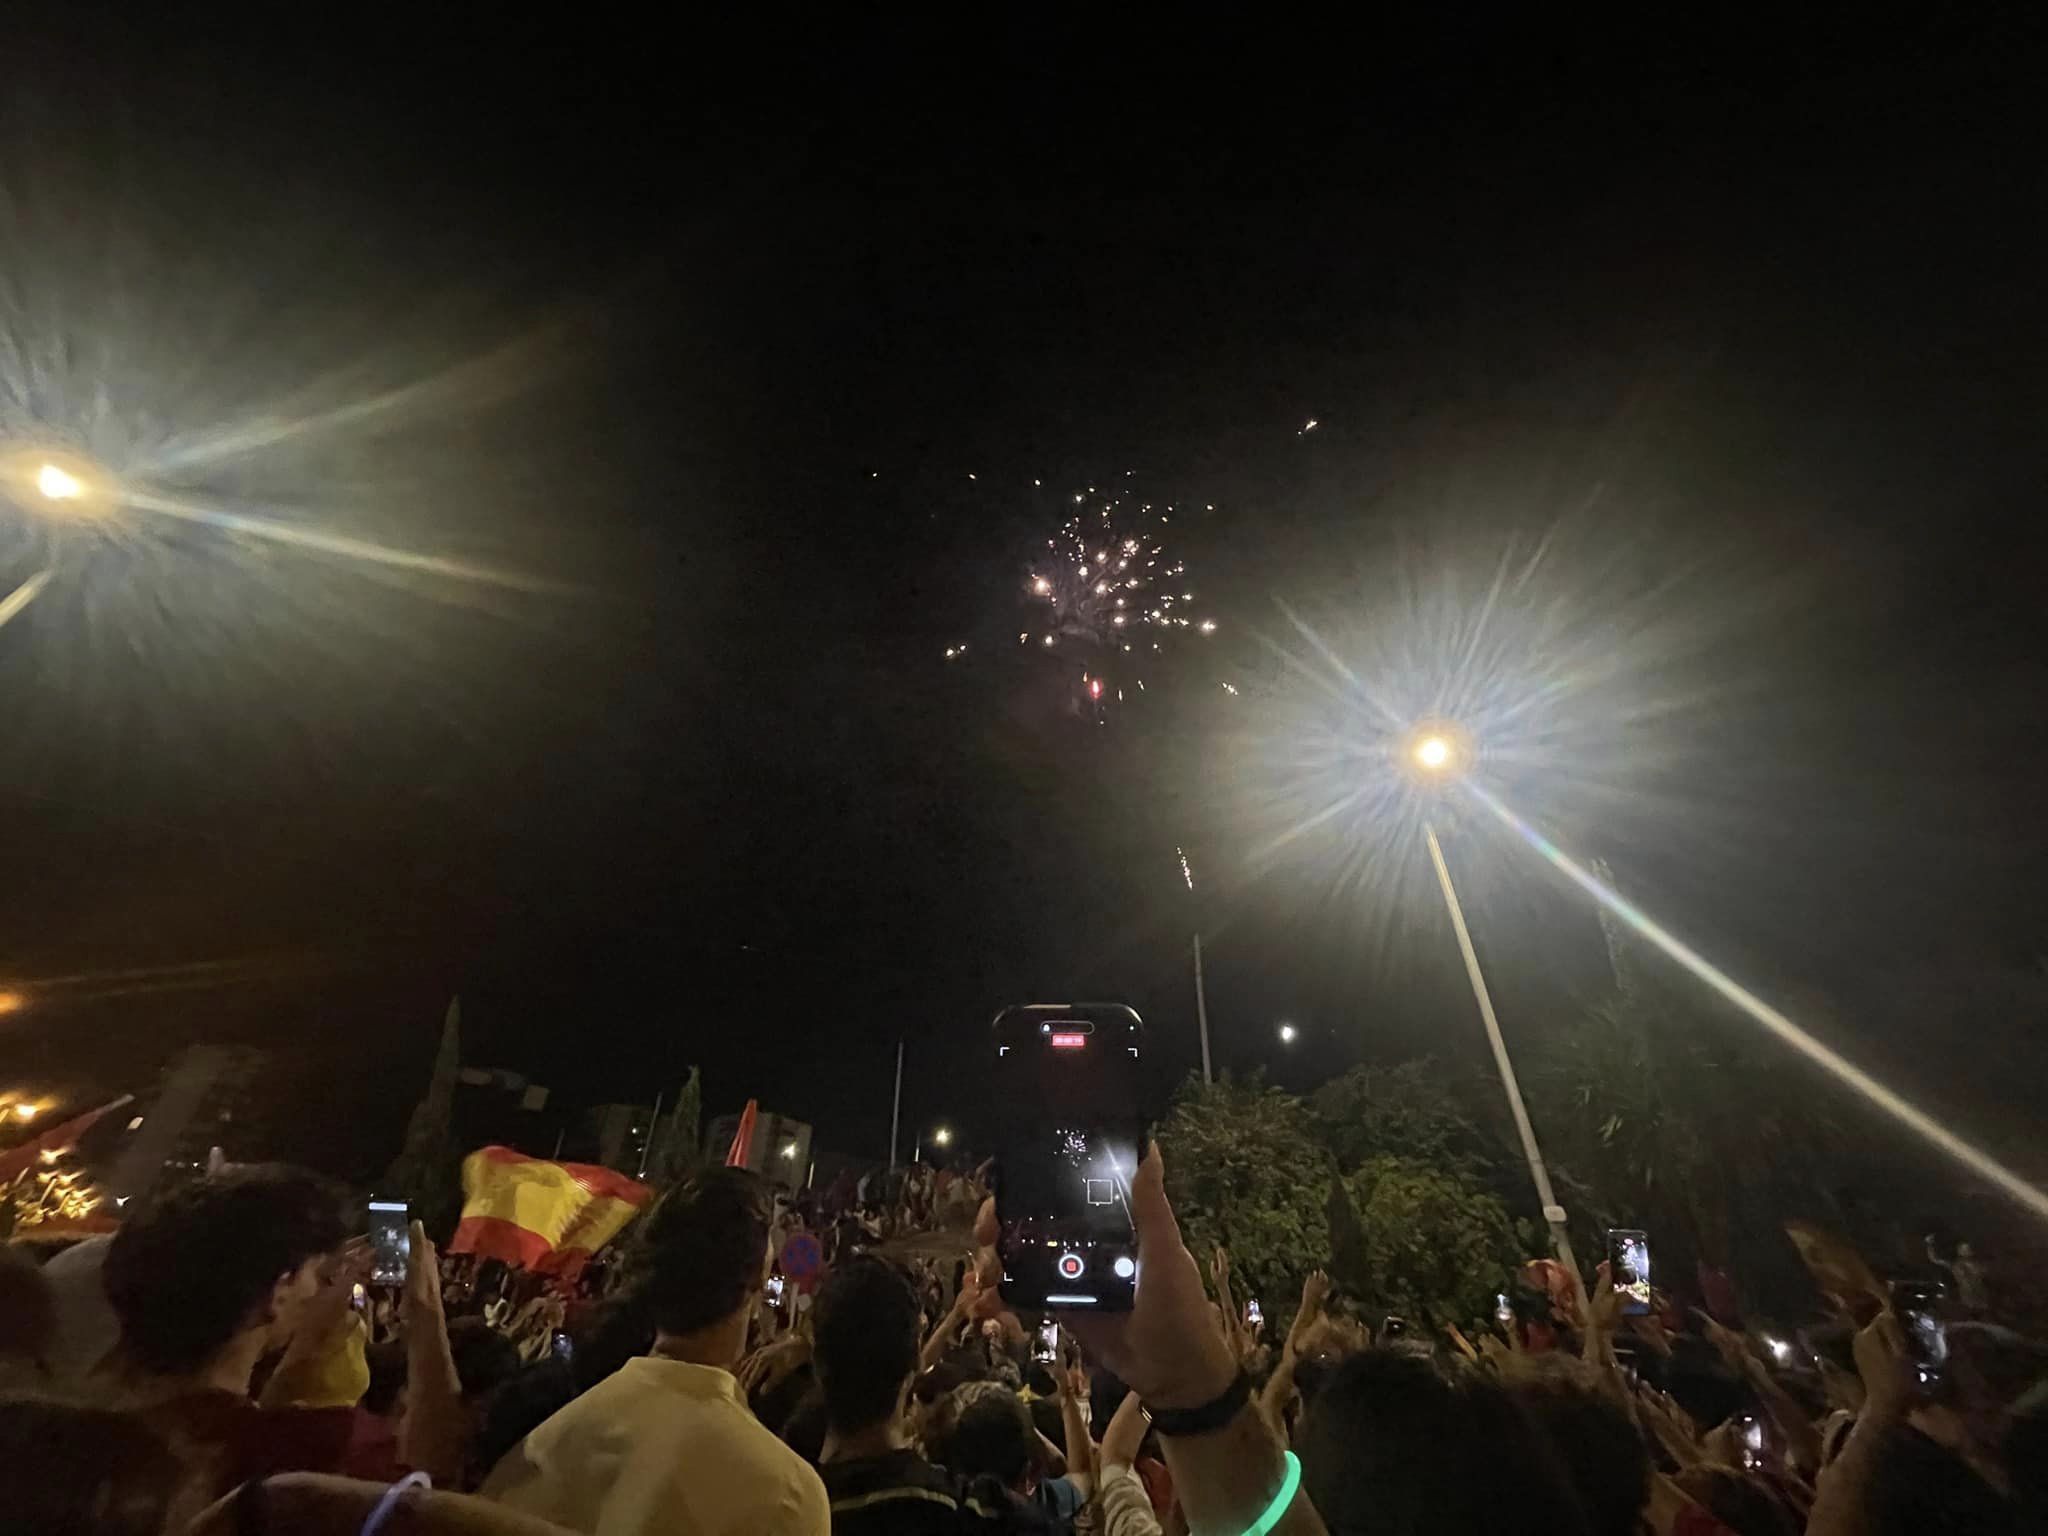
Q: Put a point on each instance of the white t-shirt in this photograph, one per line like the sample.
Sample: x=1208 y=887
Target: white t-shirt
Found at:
x=662 y=1447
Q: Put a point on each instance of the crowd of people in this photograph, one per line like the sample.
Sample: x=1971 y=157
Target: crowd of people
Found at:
x=217 y=1368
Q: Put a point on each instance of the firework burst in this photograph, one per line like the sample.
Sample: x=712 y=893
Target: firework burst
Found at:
x=1110 y=583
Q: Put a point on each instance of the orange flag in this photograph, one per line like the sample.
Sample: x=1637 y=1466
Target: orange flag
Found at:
x=539 y=1215
x=743 y=1138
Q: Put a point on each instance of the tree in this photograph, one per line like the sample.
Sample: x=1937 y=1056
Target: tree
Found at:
x=1418 y=1110
x=1671 y=1115
x=1431 y=1244
x=428 y=1169
x=1244 y=1169
x=678 y=1152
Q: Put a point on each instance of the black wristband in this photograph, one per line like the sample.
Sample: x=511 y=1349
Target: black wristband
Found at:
x=1175 y=1423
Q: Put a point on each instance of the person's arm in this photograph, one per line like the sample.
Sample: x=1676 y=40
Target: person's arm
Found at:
x=1073 y=1393
x=312 y=1504
x=1166 y=1348
x=1280 y=1385
x=941 y=1336
x=316 y=1369
x=1887 y=1372
x=1126 y=1507
x=434 y=1436
x=1794 y=1428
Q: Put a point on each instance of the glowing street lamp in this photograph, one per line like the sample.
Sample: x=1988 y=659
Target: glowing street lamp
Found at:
x=942 y=1136
x=1288 y=1034
x=1437 y=752
x=12 y=1002
x=58 y=483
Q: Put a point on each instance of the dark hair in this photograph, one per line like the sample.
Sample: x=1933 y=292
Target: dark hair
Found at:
x=189 y=1273
x=28 y=1312
x=1391 y=1445
x=83 y=1471
x=703 y=1246
x=805 y=1425
x=992 y=1434
x=484 y=1358
x=1595 y=1441
x=388 y=1367
x=865 y=1328
x=1739 y=1501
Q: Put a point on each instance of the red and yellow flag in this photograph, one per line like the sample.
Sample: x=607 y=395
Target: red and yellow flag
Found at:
x=540 y=1215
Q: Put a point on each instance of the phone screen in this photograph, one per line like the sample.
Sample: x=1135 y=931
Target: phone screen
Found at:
x=1046 y=1346
x=1628 y=1267
x=1067 y=1080
x=1918 y=1306
x=390 y=1241
x=1252 y=1313
x=775 y=1288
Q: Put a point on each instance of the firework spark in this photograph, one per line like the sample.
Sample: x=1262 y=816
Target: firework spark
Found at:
x=1109 y=568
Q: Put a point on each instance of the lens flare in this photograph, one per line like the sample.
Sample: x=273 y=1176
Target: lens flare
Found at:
x=1977 y=1161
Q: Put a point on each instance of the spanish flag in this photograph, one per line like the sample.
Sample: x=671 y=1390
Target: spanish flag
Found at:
x=543 y=1216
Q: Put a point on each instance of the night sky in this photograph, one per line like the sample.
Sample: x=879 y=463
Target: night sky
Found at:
x=1726 y=347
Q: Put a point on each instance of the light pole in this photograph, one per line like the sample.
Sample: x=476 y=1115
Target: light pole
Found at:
x=1437 y=754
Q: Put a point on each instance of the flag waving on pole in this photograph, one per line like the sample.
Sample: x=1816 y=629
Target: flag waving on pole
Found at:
x=743 y=1138
x=540 y=1215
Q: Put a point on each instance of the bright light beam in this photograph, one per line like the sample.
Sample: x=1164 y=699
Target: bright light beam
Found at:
x=1980 y=1163
x=337 y=544
x=15 y=601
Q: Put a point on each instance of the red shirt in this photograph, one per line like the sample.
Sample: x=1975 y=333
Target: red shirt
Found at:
x=233 y=1440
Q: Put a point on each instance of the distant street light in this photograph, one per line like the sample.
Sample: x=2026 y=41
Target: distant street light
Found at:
x=1288 y=1033
x=942 y=1136
x=12 y=1002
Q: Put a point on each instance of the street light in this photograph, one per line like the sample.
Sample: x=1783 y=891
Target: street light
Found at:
x=942 y=1136
x=1288 y=1033
x=1437 y=751
x=12 y=1002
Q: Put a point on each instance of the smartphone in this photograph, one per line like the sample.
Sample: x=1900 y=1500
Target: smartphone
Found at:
x=1749 y=1438
x=1045 y=1346
x=1628 y=1267
x=564 y=1350
x=1503 y=1310
x=390 y=1241
x=1917 y=1304
x=1067 y=1076
x=1252 y=1313
x=775 y=1285
x=359 y=1298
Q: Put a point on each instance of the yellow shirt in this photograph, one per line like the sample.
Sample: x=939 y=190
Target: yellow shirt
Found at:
x=662 y=1447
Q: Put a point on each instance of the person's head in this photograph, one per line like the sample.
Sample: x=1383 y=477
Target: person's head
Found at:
x=84 y=1471
x=1600 y=1448
x=219 y=1259
x=704 y=1247
x=28 y=1313
x=992 y=1436
x=1740 y=1501
x=865 y=1329
x=386 y=1394
x=484 y=1358
x=1391 y=1446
